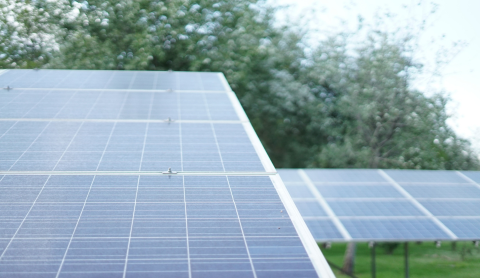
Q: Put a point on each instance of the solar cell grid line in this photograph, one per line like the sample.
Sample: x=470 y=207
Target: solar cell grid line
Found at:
x=7 y=130
x=34 y=142
x=131 y=230
x=110 y=136
x=418 y=205
x=230 y=188
x=467 y=178
x=31 y=144
x=136 y=195
x=338 y=224
x=24 y=218
x=264 y=158
x=74 y=230
x=73 y=138
x=12 y=100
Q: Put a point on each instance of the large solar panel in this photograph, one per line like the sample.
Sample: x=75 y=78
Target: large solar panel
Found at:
x=85 y=191
x=387 y=205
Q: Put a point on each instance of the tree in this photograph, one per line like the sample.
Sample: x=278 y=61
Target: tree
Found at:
x=348 y=103
x=28 y=31
x=382 y=122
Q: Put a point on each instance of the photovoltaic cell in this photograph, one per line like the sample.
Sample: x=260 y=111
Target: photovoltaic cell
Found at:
x=310 y=208
x=443 y=191
x=290 y=176
x=91 y=146
x=299 y=191
x=323 y=230
x=453 y=208
x=464 y=228
x=425 y=176
x=342 y=175
x=475 y=176
x=395 y=229
x=374 y=208
x=358 y=191
x=138 y=105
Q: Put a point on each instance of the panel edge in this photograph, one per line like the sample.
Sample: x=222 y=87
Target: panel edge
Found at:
x=309 y=243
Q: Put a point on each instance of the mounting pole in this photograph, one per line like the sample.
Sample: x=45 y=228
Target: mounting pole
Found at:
x=373 y=267
x=407 y=271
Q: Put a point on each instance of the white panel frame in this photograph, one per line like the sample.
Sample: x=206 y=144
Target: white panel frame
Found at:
x=318 y=196
x=318 y=260
x=316 y=257
x=467 y=178
x=418 y=205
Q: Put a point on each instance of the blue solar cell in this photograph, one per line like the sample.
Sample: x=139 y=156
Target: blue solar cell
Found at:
x=453 y=208
x=425 y=176
x=475 y=176
x=443 y=191
x=256 y=210
x=290 y=175
x=310 y=208
x=299 y=191
x=358 y=191
x=464 y=228
x=118 y=105
x=393 y=229
x=374 y=208
x=90 y=146
x=323 y=230
x=342 y=175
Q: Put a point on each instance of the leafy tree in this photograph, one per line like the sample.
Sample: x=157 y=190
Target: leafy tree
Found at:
x=381 y=121
x=28 y=31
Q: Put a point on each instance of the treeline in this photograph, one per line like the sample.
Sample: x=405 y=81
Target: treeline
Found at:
x=347 y=103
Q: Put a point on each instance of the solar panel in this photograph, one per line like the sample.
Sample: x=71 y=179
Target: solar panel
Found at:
x=389 y=205
x=83 y=189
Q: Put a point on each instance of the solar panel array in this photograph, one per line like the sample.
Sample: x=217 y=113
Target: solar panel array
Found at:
x=387 y=205
x=82 y=190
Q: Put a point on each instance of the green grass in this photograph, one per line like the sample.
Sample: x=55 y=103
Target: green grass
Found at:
x=425 y=259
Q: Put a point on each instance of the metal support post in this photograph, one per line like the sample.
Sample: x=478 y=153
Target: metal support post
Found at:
x=373 y=267
x=407 y=274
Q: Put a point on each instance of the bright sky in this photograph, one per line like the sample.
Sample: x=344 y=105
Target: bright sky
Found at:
x=457 y=20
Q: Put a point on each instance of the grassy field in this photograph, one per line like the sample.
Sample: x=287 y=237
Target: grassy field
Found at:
x=426 y=260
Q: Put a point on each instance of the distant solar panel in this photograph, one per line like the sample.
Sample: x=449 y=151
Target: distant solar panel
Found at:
x=82 y=188
x=389 y=205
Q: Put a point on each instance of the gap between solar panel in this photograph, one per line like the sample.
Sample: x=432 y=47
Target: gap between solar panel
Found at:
x=169 y=171
x=143 y=173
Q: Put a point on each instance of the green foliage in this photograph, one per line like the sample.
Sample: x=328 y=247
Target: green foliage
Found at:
x=426 y=261
x=347 y=103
